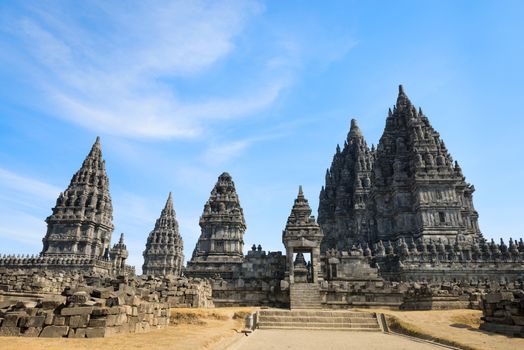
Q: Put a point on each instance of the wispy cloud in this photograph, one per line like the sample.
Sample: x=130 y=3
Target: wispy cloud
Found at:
x=121 y=78
x=24 y=205
x=16 y=187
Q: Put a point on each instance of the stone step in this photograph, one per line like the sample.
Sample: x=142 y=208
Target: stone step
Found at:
x=323 y=328
x=317 y=325
x=318 y=319
x=321 y=313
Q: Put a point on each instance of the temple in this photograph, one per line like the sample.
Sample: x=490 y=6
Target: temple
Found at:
x=219 y=250
x=343 y=204
x=396 y=228
x=164 y=253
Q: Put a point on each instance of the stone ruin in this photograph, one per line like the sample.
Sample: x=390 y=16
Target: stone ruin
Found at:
x=503 y=312
x=396 y=228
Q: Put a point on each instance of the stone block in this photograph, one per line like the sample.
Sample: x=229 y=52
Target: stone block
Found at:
x=77 y=333
x=78 y=321
x=77 y=310
x=103 y=293
x=493 y=298
x=31 y=332
x=518 y=320
x=97 y=322
x=48 y=318
x=100 y=311
x=98 y=332
x=11 y=319
x=50 y=304
x=32 y=321
x=54 y=331
x=59 y=321
x=9 y=331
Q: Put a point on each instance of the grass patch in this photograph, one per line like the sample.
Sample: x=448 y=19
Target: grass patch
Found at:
x=195 y=317
x=241 y=315
x=405 y=328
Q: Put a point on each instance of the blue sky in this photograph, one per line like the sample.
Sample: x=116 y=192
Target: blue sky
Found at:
x=181 y=91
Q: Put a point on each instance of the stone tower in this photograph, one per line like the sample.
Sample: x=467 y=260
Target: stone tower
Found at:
x=302 y=235
x=81 y=222
x=164 y=253
x=119 y=256
x=417 y=191
x=343 y=200
x=219 y=249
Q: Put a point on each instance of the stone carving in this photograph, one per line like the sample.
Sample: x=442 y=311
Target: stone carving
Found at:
x=164 y=253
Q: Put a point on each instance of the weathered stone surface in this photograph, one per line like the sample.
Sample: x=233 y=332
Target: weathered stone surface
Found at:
x=98 y=332
x=77 y=310
x=79 y=321
x=54 y=331
x=8 y=331
x=31 y=332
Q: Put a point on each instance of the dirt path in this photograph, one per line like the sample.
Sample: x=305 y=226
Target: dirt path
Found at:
x=267 y=339
x=199 y=329
x=461 y=326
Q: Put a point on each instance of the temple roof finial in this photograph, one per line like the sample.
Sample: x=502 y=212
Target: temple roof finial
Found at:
x=121 y=240
x=300 y=192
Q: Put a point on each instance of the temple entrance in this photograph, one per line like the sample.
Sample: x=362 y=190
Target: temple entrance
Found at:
x=302 y=267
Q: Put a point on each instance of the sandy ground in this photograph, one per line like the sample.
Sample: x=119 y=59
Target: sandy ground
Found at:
x=461 y=326
x=267 y=339
x=218 y=332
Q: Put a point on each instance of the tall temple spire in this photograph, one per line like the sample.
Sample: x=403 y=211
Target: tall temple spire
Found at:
x=410 y=156
x=81 y=222
x=219 y=249
x=342 y=205
x=164 y=253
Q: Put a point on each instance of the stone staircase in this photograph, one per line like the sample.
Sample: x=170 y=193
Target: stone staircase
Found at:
x=317 y=320
x=304 y=296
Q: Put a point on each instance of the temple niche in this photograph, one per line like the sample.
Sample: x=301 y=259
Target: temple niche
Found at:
x=164 y=253
x=219 y=250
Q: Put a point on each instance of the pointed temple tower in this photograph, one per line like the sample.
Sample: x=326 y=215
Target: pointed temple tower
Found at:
x=81 y=224
x=219 y=249
x=164 y=253
x=343 y=201
x=417 y=191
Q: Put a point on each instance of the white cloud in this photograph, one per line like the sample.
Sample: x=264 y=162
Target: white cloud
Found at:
x=120 y=78
x=18 y=186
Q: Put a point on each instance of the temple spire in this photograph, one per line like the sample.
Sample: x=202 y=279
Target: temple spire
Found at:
x=402 y=99
x=354 y=130
x=85 y=204
x=164 y=248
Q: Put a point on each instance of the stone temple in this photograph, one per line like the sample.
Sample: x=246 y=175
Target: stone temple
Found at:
x=396 y=228
x=164 y=254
